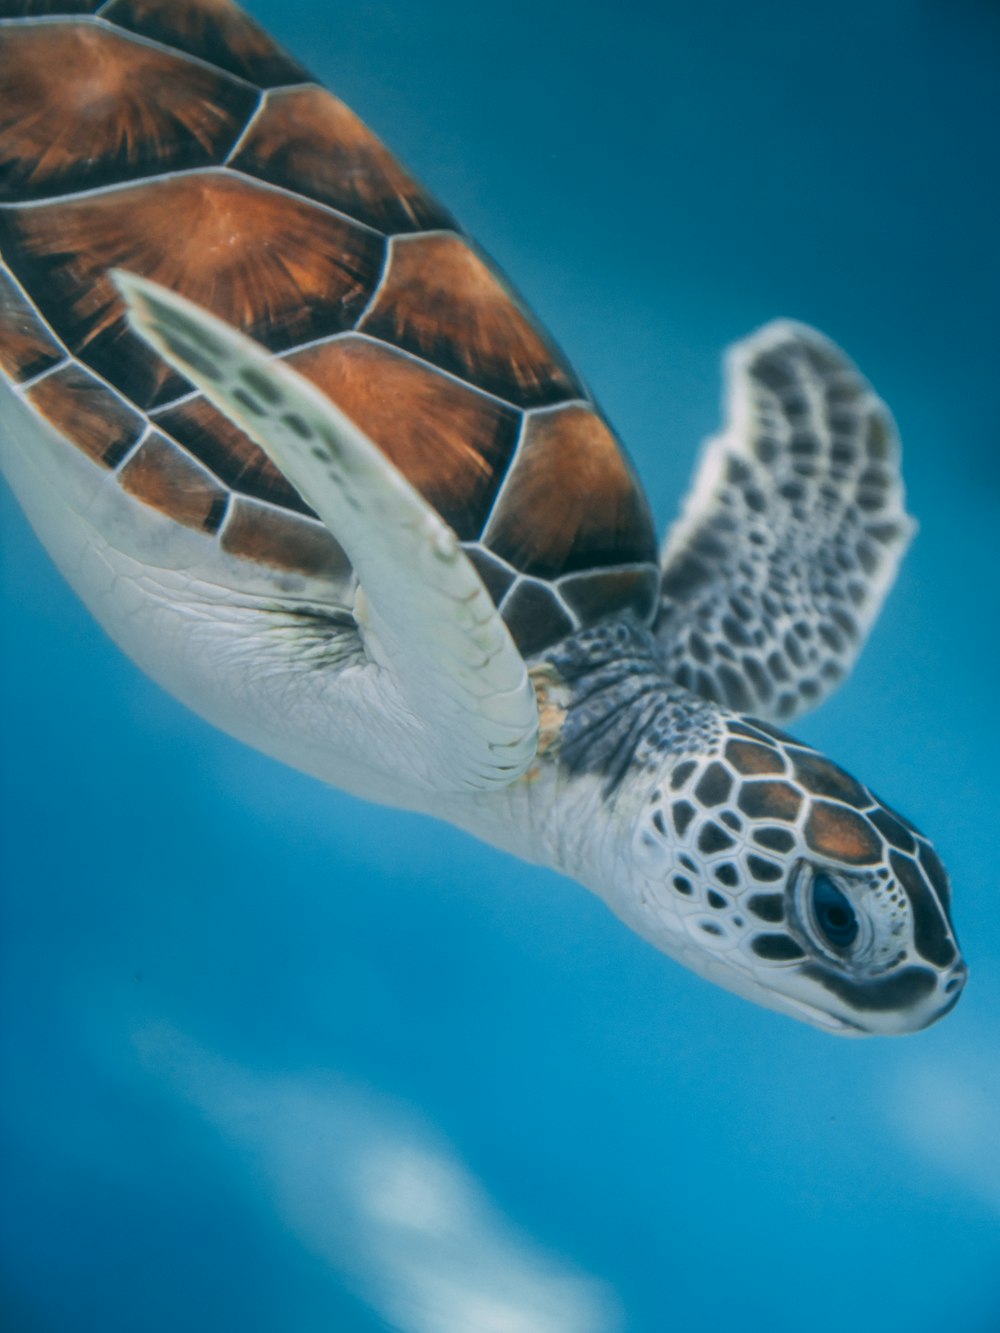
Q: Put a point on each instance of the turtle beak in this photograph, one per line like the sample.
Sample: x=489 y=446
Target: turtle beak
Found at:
x=928 y=1011
x=836 y=1025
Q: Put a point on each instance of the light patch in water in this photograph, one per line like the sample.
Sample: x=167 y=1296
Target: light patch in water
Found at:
x=374 y=1191
x=951 y=1118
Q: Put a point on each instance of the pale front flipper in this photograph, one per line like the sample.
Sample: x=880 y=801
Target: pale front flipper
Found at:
x=792 y=534
x=424 y=613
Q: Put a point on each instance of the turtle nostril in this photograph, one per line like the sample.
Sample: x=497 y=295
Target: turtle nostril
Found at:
x=957 y=980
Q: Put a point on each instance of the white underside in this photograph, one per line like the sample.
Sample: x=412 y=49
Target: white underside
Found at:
x=210 y=627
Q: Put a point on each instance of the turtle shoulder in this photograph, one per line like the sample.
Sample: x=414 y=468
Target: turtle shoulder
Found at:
x=178 y=141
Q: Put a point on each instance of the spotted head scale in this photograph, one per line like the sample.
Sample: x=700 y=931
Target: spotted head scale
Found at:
x=802 y=888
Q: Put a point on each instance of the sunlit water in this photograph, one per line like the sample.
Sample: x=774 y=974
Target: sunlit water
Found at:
x=275 y=1060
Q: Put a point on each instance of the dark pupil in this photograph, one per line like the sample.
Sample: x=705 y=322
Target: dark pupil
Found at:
x=834 y=914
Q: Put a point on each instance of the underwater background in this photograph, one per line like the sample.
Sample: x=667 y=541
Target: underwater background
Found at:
x=273 y=1059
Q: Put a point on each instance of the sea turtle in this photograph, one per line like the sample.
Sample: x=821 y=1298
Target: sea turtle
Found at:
x=311 y=463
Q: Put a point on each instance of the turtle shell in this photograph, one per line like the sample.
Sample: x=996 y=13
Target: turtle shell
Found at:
x=173 y=138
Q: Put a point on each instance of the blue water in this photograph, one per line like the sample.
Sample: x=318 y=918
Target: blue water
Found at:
x=277 y=1060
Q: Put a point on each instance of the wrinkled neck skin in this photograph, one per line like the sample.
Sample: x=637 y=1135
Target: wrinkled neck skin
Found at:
x=612 y=725
x=742 y=853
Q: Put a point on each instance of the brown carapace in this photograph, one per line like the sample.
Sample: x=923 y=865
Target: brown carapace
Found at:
x=174 y=139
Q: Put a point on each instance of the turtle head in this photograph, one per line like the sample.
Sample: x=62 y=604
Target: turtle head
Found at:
x=798 y=888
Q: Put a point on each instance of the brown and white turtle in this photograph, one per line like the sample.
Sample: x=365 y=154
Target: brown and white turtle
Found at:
x=332 y=487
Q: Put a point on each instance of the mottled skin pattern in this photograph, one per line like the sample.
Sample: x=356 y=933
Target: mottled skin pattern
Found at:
x=357 y=537
x=792 y=535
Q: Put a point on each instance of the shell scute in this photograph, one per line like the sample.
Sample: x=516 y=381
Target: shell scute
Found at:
x=63 y=134
x=442 y=301
x=165 y=477
x=297 y=273
x=216 y=31
x=535 y=615
x=77 y=403
x=571 y=502
x=27 y=348
x=591 y=595
x=306 y=140
x=275 y=537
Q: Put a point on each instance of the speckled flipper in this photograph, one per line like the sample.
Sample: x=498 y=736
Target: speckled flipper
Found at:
x=792 y=534
x=425 y=615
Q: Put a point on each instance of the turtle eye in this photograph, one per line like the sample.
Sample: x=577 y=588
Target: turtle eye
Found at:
x=833 y=914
